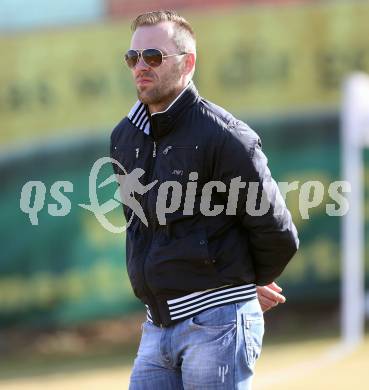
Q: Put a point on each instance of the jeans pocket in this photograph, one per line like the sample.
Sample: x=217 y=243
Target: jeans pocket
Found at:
x=219 y=317
x=253 y=328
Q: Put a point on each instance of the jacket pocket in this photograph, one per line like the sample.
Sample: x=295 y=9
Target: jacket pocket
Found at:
x=178 y=161
x=181 y=165
x=181 y=264
x=128 y=156
x=230 y=248
x=135 y=242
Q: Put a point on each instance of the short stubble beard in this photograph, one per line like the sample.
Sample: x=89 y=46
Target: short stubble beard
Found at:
x=163 y=94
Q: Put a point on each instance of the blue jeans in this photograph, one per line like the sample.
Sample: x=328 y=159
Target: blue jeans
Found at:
x=215 y=349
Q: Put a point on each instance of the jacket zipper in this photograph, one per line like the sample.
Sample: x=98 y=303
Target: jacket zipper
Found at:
x=149 y=179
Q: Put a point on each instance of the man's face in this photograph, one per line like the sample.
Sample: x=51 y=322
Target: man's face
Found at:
x=157 y=86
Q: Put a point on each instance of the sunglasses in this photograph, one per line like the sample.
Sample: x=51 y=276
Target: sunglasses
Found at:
x=151 y=57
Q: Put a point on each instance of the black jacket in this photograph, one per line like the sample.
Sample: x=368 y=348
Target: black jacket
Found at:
x=197 y=253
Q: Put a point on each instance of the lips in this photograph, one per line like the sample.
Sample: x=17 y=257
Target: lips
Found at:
x=143 y=81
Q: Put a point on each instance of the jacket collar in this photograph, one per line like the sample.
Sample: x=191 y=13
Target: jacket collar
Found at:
x=161 y=123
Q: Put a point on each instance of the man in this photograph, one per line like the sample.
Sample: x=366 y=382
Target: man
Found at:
x=197 y=272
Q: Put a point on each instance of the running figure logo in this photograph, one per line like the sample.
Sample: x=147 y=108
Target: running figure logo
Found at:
x=129 y=184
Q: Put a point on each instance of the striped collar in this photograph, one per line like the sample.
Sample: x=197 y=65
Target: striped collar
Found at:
x=140 y=117
x=160 y=123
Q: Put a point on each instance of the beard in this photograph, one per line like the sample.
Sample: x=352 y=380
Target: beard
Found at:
x=164 y=92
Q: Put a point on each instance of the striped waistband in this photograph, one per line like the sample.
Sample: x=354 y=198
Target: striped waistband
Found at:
x=191 y=304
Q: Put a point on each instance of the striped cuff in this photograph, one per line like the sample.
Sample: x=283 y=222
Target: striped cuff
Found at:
x=148 y=314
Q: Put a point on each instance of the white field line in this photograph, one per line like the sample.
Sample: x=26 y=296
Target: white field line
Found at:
x=331 y=356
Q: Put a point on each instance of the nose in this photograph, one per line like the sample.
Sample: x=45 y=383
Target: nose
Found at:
x=141 y=65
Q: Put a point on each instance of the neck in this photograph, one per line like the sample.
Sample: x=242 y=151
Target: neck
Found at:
x=162 y=106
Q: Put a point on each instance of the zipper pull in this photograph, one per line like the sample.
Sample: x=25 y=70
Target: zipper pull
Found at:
x=166 y=150
x=137 y=152
x=154 y=150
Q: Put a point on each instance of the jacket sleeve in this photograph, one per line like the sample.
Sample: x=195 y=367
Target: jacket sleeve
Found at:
x=260 y=207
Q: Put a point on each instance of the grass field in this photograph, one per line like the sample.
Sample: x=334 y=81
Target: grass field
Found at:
x=301 y=365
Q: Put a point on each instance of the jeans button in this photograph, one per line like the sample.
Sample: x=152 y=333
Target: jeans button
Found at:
x=202 y=242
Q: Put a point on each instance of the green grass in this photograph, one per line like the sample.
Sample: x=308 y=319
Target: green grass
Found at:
x=295 y=359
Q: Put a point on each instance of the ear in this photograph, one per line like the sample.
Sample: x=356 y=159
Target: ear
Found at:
x=190 y=62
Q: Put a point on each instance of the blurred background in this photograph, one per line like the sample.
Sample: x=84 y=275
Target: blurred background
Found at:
x=68 y=316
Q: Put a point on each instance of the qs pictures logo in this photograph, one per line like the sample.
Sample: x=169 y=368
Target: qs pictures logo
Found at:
x=259 y=198
x=33 y=194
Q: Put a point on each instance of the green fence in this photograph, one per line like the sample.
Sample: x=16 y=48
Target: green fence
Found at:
x=70 y=270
